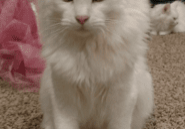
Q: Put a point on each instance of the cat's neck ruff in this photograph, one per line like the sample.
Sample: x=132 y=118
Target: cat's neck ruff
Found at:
x=96 y=58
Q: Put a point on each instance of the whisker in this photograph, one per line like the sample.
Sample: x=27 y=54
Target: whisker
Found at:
x=54 y=19
x=47 y=34
x=107 y=21
x=57 y=32
x=54 y=25
x=61 y=23
x=62 y=30
x=112 y=22
x=59 y=19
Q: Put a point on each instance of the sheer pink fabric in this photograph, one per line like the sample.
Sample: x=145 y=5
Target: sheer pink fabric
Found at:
x=20 y=47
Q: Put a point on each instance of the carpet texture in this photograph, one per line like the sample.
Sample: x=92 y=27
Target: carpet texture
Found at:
x=166 y=58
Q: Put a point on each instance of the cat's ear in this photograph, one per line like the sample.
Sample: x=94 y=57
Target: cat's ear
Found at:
x=166 y=8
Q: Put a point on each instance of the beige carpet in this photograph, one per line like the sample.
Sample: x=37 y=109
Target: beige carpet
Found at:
x=166 y=56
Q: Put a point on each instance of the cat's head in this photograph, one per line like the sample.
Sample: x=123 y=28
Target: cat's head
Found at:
x=164 y=17
x=85 y=16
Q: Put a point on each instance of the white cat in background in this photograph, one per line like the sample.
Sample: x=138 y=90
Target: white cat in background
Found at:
x=180 y=9
x=96 y=75
x=167 y=18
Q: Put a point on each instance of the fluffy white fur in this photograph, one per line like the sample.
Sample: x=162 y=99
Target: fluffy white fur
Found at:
x=168 y=18
x=179 y=7
x=96 y=75
x=163 y=19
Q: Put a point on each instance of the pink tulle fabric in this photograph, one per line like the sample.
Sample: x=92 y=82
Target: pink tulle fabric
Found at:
x=20 y=47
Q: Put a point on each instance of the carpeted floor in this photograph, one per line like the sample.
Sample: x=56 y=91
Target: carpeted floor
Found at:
x=19 y=110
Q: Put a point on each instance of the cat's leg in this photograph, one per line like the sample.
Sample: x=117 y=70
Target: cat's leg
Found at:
x=63 y=101
x=63 y=118
x=144 y=105
x=57 y=114
x=45 y=101
x=122 y=102
x=47 y=113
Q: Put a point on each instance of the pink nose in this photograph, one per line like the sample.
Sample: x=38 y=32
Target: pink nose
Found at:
x=82 y=19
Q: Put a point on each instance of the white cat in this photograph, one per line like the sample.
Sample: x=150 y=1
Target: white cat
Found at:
x=179 y=7
x=96 y=75
x=168 y=18
x=163 y=19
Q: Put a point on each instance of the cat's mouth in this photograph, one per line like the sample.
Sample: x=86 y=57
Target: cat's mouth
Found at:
x=82 y=29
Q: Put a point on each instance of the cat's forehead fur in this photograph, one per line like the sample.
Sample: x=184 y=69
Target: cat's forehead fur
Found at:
x=87 y=7
x=88 y=3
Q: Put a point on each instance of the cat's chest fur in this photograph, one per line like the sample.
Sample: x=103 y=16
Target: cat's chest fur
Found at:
x=89 y=88
x=95 y=61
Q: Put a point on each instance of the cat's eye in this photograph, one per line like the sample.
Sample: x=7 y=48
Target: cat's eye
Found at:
x=67 y=0
x=97 y=0
x=174 y=18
